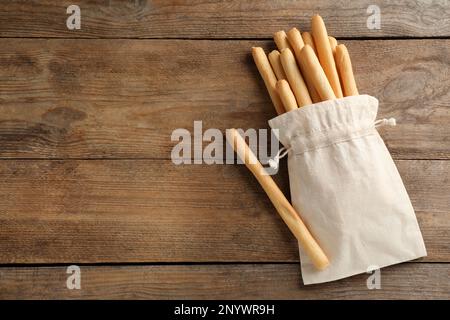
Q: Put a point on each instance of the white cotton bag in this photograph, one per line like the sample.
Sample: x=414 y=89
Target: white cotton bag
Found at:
x=347 y=189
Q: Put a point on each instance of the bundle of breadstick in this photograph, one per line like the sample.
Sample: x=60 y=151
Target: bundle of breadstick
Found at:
x=304 y=70
x=330 y=132
x=307 y=68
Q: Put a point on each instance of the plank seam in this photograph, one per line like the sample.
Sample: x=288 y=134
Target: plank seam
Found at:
x=211 y=263
x=225 y=39
x=169 y=159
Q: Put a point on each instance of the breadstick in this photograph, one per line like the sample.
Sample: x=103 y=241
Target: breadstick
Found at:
x=296 y=42
x=286 y=95
x=344 y=66
x=281 y=204
x=308 y=39
x=281 y=40
x=274 y=59
x=311 y=66
x=270 y=80
x=333 y=44
x=319 y=33
x=312 y=91
x=295 y=78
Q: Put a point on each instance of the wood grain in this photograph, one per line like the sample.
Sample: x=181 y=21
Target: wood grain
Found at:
x=74 y=95
x=221 y=19
x=93 y=211
x=122 y=99
x=266 y=281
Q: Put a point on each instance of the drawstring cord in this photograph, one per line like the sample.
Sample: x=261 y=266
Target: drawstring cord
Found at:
x=273 y=163
x=385 y=122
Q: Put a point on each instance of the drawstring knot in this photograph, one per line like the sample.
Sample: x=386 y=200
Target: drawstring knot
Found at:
x=273 y=163
x=385 y=122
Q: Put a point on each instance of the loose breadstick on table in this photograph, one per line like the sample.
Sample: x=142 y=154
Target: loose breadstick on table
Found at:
x=295 y=78
x=311 y=67
x=286 y=95
x=319 y=33
x=308 y=39
x=333 y=44
x=281 y=40
x=275 y=62
x=270 y=80
x=281 y=204
x=344 y=66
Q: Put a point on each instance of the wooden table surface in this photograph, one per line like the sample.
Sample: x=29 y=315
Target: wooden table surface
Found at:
x=85 y=124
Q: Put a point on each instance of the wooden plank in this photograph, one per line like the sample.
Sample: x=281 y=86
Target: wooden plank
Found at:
x=122 y=99
x=260 y=281
x=221 y=19
x=93 y=211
